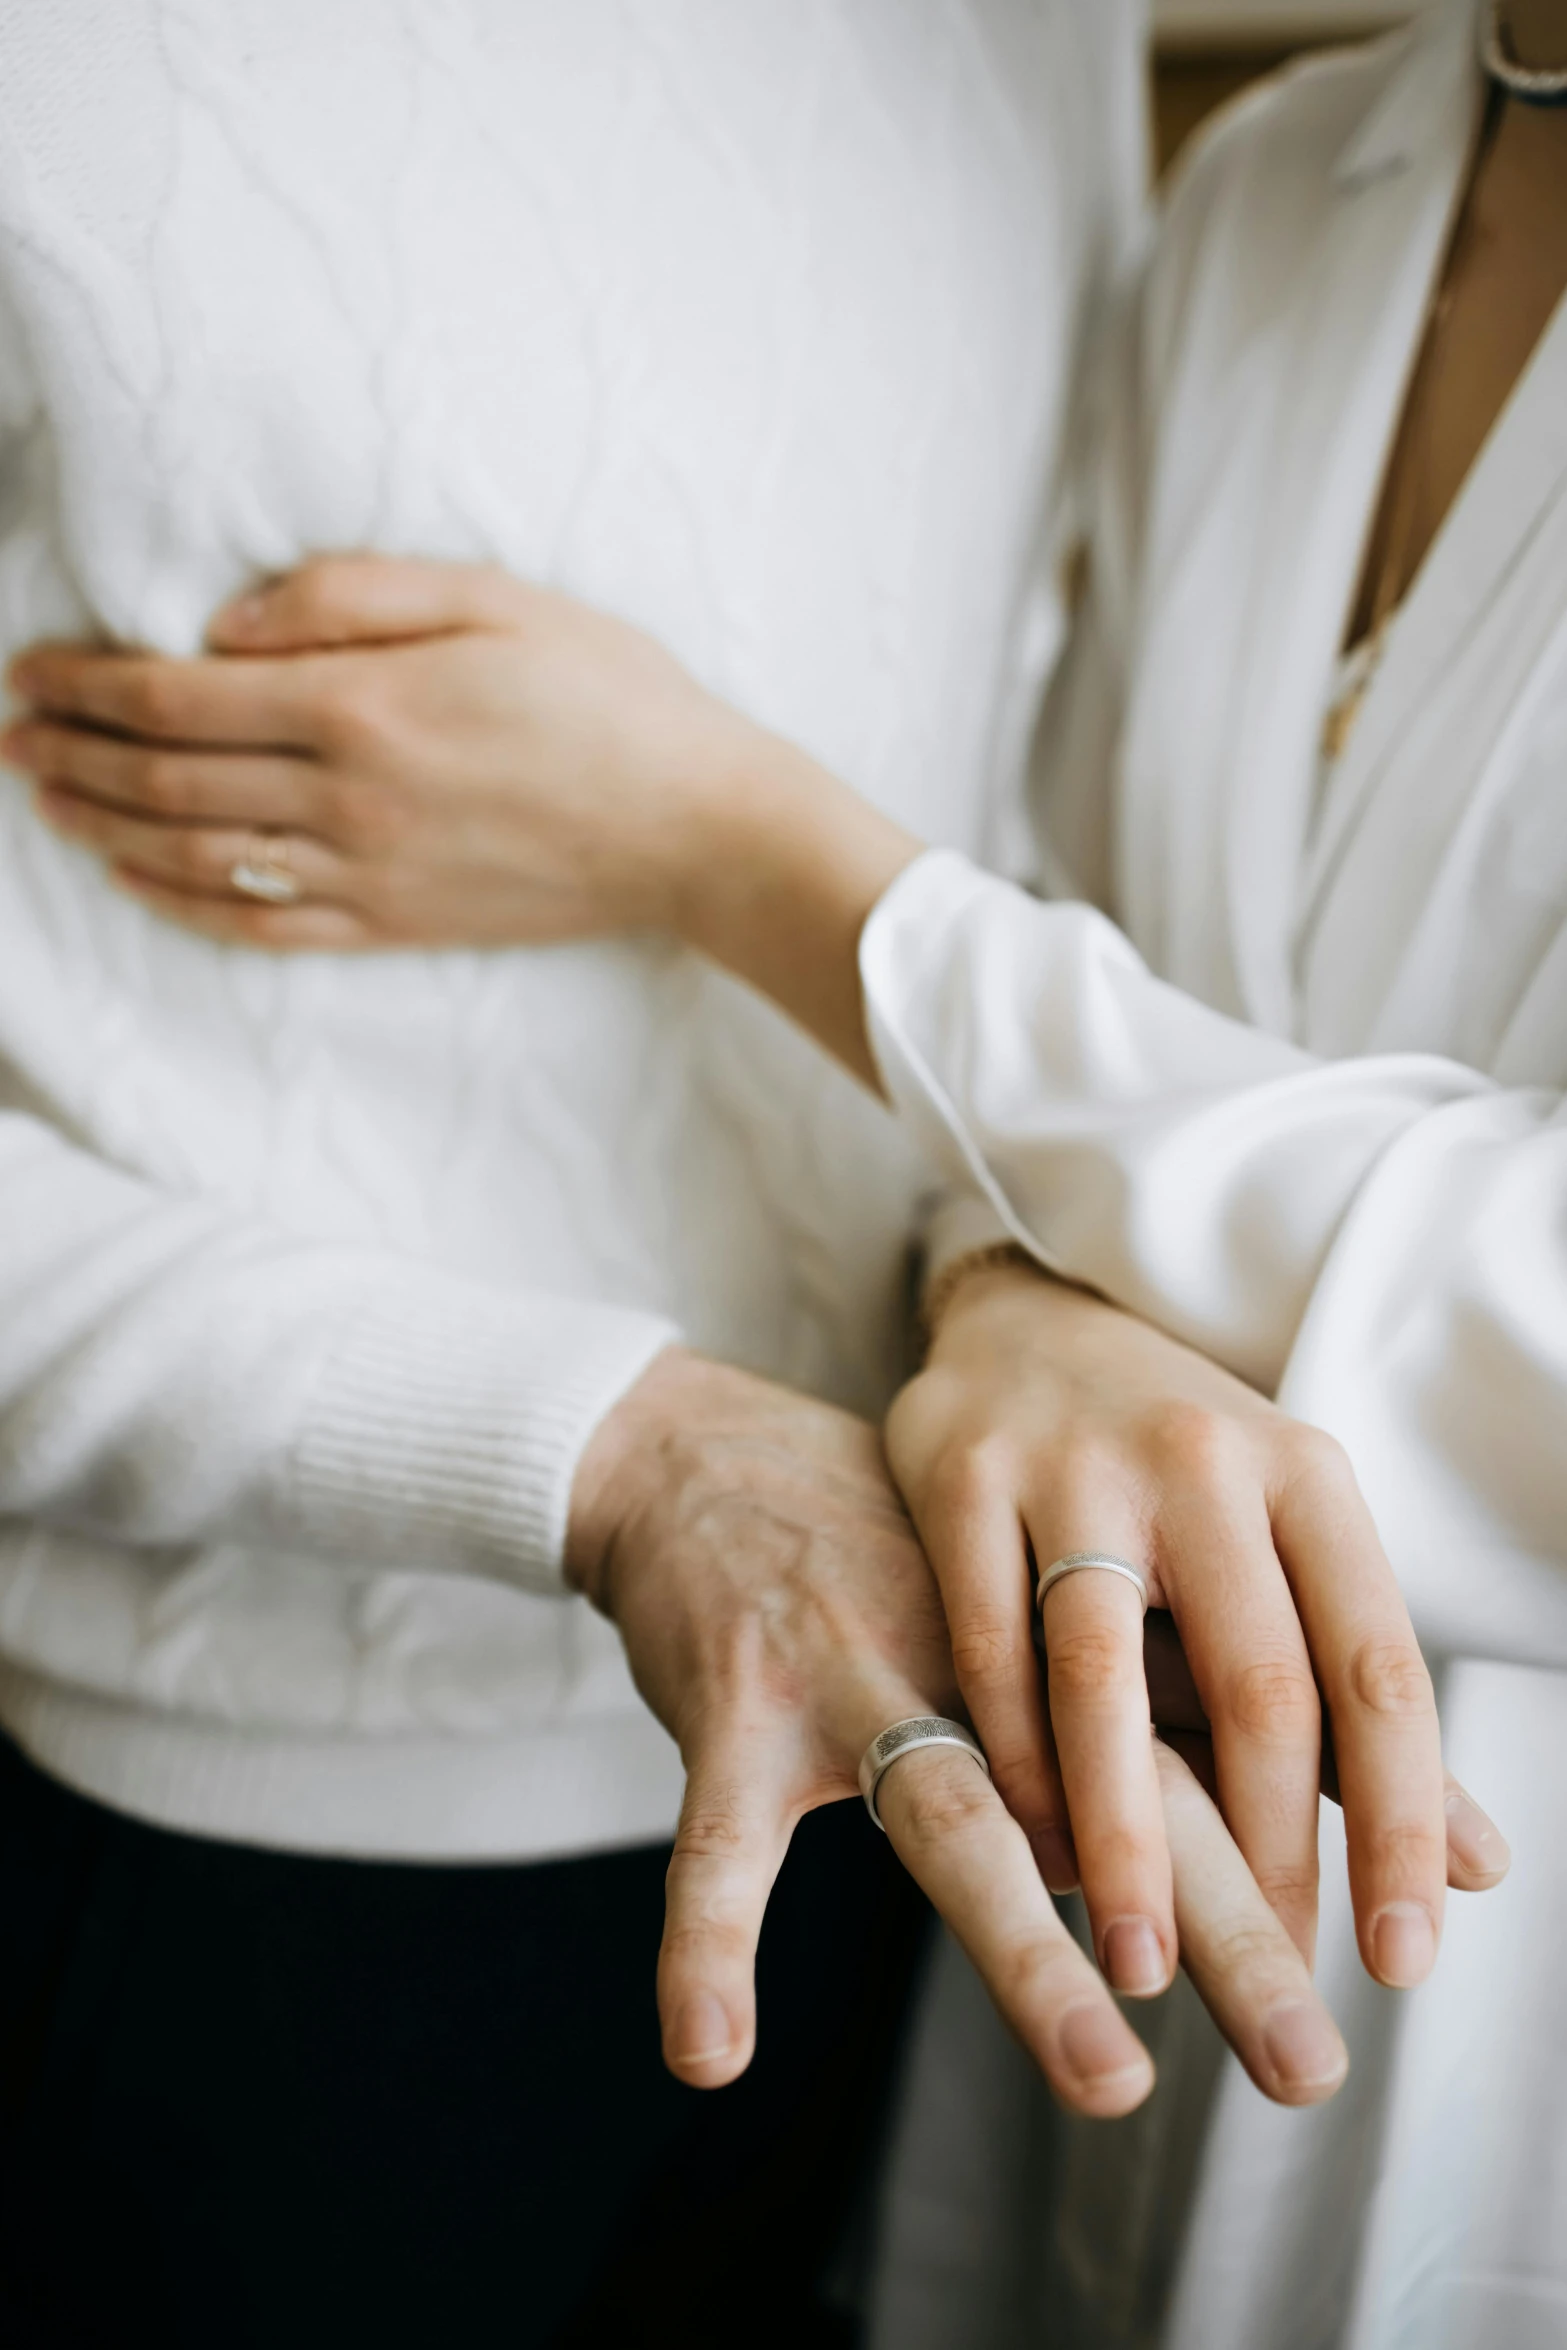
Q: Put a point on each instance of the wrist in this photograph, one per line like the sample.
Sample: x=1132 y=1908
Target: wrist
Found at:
x=787 y=864
x=995 y=1266
x=777 y=826
x=630 y=1458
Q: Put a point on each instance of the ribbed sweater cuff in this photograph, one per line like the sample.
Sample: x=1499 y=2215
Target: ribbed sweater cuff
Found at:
x=445 y=1427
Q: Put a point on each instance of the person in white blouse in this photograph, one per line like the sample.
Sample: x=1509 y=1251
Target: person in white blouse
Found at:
x=1249 y=1279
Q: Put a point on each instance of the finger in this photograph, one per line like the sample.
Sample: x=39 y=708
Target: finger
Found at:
x=957 y=1840
x=364 y=599
x=247 y=705
x=201 y=786
x=1104 y=1736
x=1249 y=1661
x=976 y=1545
x=1477 y=1852
x=1374 y=1682
x=199 y=858
x=308 y=928
x=733 y=1833
x=1246 y=1969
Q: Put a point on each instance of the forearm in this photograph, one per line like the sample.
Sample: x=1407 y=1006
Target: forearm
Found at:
x=172 y=1371
x=782 y=878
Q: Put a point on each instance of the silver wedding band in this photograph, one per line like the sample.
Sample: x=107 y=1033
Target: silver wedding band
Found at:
x=905 y=1737
x=263 y=872
x=1106 y=1560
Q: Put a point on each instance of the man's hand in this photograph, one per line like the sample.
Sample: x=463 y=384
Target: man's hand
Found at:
x=778 y=1612
x=1046 y=1422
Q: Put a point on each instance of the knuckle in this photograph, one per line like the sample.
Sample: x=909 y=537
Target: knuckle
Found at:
x=1314 y=1453
x=1243 y=1950
x=154 y=698
x=970 y=1472
x=1088 y=1664
x=1406 y=1853
x=938 y=1802
x=1389 y=1678
x=1193 y=1442
x=1118 y=1854
x=713 y=1830
x=988 y=1645
x=1031 y=1970
x=1284 y=1886
x=1274 y=1699
x=692 y=1945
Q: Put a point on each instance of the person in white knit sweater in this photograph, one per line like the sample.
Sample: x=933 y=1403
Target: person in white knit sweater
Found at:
x=355 y=1315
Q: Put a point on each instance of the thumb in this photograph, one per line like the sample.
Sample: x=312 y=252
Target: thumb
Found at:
x=363 y=599
x=734 y=1830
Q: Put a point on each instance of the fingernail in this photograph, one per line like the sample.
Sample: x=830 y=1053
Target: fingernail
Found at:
x=1303 y=2047
x=1099 y=2048
x=1403 y=1944
x=1055 y=1860
x=1134 y=1958
x=701 y=2030
x=1474 y=1840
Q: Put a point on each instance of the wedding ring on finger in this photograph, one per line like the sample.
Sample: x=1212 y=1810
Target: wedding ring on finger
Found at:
x=263 y=872
x=1077 y=1561
x=906 y=1737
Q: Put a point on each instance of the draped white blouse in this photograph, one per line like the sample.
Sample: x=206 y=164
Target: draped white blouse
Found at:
x=1282 y=1069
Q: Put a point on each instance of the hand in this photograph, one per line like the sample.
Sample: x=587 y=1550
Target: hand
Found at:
x=451 y=756
x=1046 y=1421
x=443 y=756
x=778 y=1612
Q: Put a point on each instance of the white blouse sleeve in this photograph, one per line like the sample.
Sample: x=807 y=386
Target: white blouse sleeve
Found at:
x=1385 y=1237
x=172 y=1372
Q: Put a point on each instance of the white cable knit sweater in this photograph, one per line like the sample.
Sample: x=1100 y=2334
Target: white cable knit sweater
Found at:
x=750 y=323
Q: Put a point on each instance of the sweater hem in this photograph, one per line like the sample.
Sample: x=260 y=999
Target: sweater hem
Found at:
x=540 y=1794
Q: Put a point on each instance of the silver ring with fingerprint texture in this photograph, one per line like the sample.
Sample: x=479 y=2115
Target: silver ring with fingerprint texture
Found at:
x=907 y=1737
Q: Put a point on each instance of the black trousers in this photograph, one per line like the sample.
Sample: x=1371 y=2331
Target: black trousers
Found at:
x=250 y=2099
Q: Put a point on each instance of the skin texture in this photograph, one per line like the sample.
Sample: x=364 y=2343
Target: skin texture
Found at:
x=778 y=1612
x=459 y=757
x=1046 y=1421
x=1506 y=272
x=449 y=756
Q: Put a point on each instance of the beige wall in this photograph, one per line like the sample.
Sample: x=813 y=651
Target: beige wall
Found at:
x=1289 y=22
x=1206 y=50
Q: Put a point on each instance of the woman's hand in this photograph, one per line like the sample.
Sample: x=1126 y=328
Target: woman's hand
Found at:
x=437 y=754
x=434 y=754
x=778 y=1613
x=1046 y=1422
